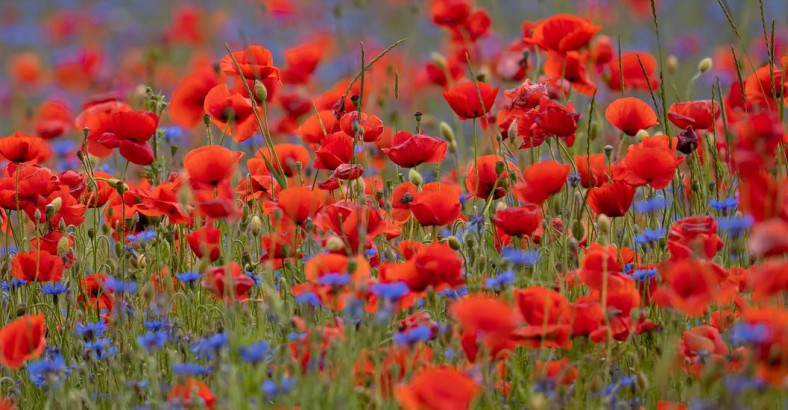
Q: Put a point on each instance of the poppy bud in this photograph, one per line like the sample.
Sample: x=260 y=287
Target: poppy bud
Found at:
x=603 y=224
x=499 y=167
x=539 y=401
x=453 y=242
x=256 y=225
x=439 y=60
x=415 y=177
x=688 y=141
x=595 y=130
x=500 y=206
x=260 y=92
x=91 y=233
x=511 y=132
x=578 y=229
x=608 y=151
x=335 y=244
x=446 y=132
x=704 y=65
x=37 y=214
x=453 y=147
x=672 y=64
x=641 y=134
x=62 y=245
x=53 y=207
x=206 y=119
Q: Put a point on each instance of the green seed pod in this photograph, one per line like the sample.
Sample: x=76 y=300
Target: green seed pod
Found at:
x=454 y=242
x=704 y=65
x=415 y=177
x=260 y=91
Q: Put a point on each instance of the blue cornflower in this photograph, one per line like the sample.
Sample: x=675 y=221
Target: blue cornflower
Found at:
x=100 y=349
x=15 y=283
x=390 y=291
x=454 y=293
x=54 y=288
x=256 y=352
x=48 y=372
x=649 y=236
x=723 y=204
x=152 y=341
x=90 y=331
x=188 y=277
x=501 y=281
x=520 y=257
x=749 y=333
x=142 y=237
x=475 y=224
x=11 y=250
x=172 y=134
x=413 y=336
x=205 y=348
x=119 y=287
x=334 y=279
x=271 y=390
x=644 y=274
x=61 y=147
x=735 y=225
x=308 y=298
x=647 y=206
x=190 y=369
x=256 y=279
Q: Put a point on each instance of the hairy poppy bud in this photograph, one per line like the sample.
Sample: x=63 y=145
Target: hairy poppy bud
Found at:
x=511 y=132
x=256 y=225
x=672 y=64
x=446 y=132
x=453 y=242
x=439 y=60
x=500 y=206
x=335 y=244
x=260 y=92
x=641 y=134
x=603 y=224
x=688 y=141
x=62 y=245
x=608 y=151
x=704 y=65
x=415 y=177
x=595 y=130
x=53 y=207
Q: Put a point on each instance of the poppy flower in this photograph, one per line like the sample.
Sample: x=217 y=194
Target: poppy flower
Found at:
x=521 y=221
x=559 y=372
x=632 y=73
x=449 y=12
x=300 y=203
x=562 y=33
x=768 y=280
x=318 y=126
x=37 y=266
x=464 y=99
x=587 y=316
x=302 y=60
x=192 y=393
x=527 y=95
x=630 y=115
x=437 y=204
x=764 y=86
x=23 y=148
x=230 y=112
x=768 y=238
x=22 y=340
x=187 y=105
x=373 y=370
x=370 y=126
x=437 y=266
x=401 y=197
x=593 y=169
x=335 y=149
x=694 y=236
x=287 y=154
x=472 y=28
x=695 y=114
x=612 y=199
x=443 y=74
x=440 y=388
x=205 y=242
x=130 y=132
x=484 y=171
x=770 y=354
x=97 y=118
x=546 y=313
x=255 y=63
x=353 y=222
x=357 y=268
x=410 y=150
x=210 y=165
x=700 y=346
x=53 y=119
x=691 y=286
x=484 y=313
x=542 y=180
x=228 y=282
x=95 y=294
x=572 y=68
x=647 y=164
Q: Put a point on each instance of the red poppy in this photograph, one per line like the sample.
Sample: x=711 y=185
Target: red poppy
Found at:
x=187 y=105
x=557 y=371
x=22 y=340
x=593 y=169
x=630 y=115
x=694 y=236
x=487 y=177
x=542 y=180
x=765 y=86
x=335 y=149
x=449 y=12
x=228 y=282
x=485 y=319
x=612 y=199
x=287 y=154
x=691 y=286
x=587 y=316
x=375 y=371
x=695 y=114
x=633 y=71
x=441 y=388
x=130 y=132
x=353 y=222
x=332 y=264
x=300 y=203
x=436 y=266
x=205 y=242
x=231 y=113
x=210 y=165
x=769 y=353
x=438 y=203
x=410 y=150
x=700 y=346
x=768 y=280
x=464 y=99
x=401 y=197
x=648 y=163
x=472 y=28
x=192 y=393
x=97 y=118
x=546 y=313
x=318 y=126
x=768 y=238
x=572 y=68
x=562 y=32
x=37 y=266
x=521 y=221
x=255 y=63
x=527 y=95
x=53 y=119
x=95 y=294
x=370 y=126
x=302 y=60
x=23 y=148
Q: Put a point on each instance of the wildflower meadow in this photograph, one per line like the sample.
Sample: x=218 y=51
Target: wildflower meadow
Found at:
x=385 y=204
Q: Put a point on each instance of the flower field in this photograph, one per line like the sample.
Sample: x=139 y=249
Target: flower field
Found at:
x=357 y=204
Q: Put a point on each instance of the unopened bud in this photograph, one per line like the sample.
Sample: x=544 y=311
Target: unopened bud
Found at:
x=641 y=134
x=54 y=206
x=446 y=132
x=62 y=245
x=672 y=64
x=256 y=225
x=608 y=151
x=603 y=224
x=454 y=242
x=335 y=244
x=439 y=60
x=415 y=177
x=500 y=206
x=260 y=92
x=704 y=65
